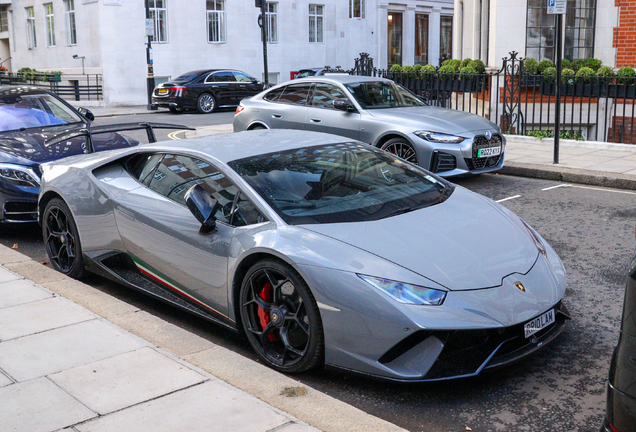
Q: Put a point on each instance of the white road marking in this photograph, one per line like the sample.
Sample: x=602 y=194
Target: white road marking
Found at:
x=605 y=190
x=509 y=198
x=557 y=186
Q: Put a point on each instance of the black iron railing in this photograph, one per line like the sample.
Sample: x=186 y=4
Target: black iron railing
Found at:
x=76 y=87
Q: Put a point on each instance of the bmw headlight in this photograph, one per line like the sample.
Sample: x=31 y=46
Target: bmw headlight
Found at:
x=407 y=293
x=537 y=242
x=437 y=137
x=19 y=175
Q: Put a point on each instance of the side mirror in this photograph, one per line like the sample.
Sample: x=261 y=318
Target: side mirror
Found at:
x=343 y=106
x=86 y=113
x=203 y=207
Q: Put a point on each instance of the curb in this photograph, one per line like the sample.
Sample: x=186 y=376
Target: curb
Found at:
x=570 y=175
x=310 y=406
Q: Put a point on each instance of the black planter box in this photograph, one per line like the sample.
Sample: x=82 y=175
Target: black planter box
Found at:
x=623 y=91
x=576 y=89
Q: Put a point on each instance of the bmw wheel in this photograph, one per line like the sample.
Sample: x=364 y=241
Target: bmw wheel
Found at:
x=280 y=317
x=401 y=148
x=61 y=239
x=206 y=103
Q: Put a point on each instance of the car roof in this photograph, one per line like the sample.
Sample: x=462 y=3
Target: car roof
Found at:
x=229 y=147
x=340 y=78
x=202 y=71
x=22 y=89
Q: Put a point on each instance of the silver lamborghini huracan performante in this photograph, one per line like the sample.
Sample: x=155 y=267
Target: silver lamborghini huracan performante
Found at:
x=321 y=250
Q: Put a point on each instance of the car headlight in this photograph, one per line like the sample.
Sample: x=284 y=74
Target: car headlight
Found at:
x=437 y=137
x=19 y=175
x=537 y=242
x=406 y=293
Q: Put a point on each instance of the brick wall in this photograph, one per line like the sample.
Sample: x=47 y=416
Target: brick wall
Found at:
x=625 y=34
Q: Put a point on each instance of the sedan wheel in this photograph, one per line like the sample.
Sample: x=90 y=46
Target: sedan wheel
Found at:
x=280 y=317
x=206 y=103
x=61 y=239
x=401 y=148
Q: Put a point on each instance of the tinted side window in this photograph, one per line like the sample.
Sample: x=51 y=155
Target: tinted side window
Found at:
x=325 y=94
x=241 y=77
x=273 y=95
x=222 y=76
x=245 y=212
x=295 y=94
x=141 y=166
x=177 y=174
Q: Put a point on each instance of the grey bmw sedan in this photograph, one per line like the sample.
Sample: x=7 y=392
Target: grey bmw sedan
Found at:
x=379 y=112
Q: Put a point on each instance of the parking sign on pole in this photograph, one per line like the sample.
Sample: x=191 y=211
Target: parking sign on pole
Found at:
x=557 y=8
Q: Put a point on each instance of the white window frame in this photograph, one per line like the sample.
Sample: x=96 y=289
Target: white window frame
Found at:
x=318 y=20
x=271 y=15
x=352 y=4
x=49 y=22
x=71 y=27
x=216 y=17
x=156 y=13
x=32 y=41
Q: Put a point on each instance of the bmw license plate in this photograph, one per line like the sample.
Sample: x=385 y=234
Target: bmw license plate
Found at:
x=162 y=91
x=489 y=151
x=540 y=322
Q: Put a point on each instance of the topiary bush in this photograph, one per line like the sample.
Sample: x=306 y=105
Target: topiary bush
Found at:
x=566 y=64
x=567 y=76
x=585 y=75
x=549 y=74
x=531 y=65
x=467 y=73
x=605 y=74
x=427 y=69
x=593 y=64
x=396 y=68
x=626 y=75
x=408 y=70
x=543 y=65
x=417 y=68
x=578 y=64
x=446 y=72
x=479 y=66
x=457 y=64
x=466 y=62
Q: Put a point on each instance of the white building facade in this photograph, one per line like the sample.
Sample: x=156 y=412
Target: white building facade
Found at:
x=199 y=34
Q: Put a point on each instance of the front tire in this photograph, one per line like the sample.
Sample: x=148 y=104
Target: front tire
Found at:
x=401 y=148
x=280 y=317
x=206 y=103
x=61 y=239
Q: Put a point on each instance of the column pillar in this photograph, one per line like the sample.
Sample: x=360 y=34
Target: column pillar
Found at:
x=383 y=37
x=434 y=28
x=408 y=36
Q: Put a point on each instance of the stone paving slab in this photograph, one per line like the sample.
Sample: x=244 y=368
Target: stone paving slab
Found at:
x=4 y=380
x=6 y=276
x=124 y=380
x=207 y=407
x=39 y=406
x=19 y=292
x=39 y=316
x=64 y=348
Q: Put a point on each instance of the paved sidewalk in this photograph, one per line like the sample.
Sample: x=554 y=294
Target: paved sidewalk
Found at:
x=99 y=111
x=73 y=358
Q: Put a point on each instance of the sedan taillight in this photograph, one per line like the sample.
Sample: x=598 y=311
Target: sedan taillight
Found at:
x=239 y=109
x=176 y=91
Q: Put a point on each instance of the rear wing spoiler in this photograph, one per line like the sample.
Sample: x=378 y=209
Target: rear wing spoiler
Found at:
x=120 y=127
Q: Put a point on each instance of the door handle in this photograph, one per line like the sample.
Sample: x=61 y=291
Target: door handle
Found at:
x=314 y=120
x=276 y=115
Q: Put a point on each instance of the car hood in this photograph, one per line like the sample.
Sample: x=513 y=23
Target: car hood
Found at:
x=27 y=146
x=464 y=243
x=434 y=119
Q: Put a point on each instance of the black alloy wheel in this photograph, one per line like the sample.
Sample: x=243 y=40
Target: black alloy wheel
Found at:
x=61 y=239
x=401 y=148
x=206 y=103
x=280 y=317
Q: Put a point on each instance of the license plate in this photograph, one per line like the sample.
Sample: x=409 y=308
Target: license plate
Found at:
x=162 y=91
x=487 y=152
x=539 y=323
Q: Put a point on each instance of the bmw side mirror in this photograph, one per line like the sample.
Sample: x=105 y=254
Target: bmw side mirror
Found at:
x=343 y=106
x=86 y=113
x=203 y=207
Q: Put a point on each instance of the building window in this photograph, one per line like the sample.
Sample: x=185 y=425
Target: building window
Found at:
x=4 y=22
x=50 y=25
x=272 y=22
x=71 y=33
x=446 y=36
x=32 y=41
x=216 y=20
x=159 y=14
x=315 y=23
x=421 y=39
x=356 y=9
x=395 y=38
x=579 y=29
x=540 y=31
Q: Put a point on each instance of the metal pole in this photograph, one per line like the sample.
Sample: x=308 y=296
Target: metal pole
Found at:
x=150 y=81
x=264 y=37
x=557 y=108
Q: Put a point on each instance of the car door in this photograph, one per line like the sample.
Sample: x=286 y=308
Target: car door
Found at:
x=223 y=87
x=162 y=236
x=288 y=110
x=247 y=86
x=323 y=117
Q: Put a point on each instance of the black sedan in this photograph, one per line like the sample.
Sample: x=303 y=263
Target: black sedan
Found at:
x=29 y=117
x=206 y=90
x=621 y=386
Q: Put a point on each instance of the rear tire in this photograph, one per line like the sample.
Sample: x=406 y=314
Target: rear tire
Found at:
x=61 y=239
x=206 y=103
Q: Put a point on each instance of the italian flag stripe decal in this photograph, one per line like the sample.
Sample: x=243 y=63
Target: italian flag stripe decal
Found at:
x=165 y=282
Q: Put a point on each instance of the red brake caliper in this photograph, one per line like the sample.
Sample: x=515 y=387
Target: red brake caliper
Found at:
x=263 y=315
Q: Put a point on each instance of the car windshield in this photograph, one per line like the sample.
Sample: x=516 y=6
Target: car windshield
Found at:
x=33 y=110
x=305 y=73
x=348 y=182
x=382 y=94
